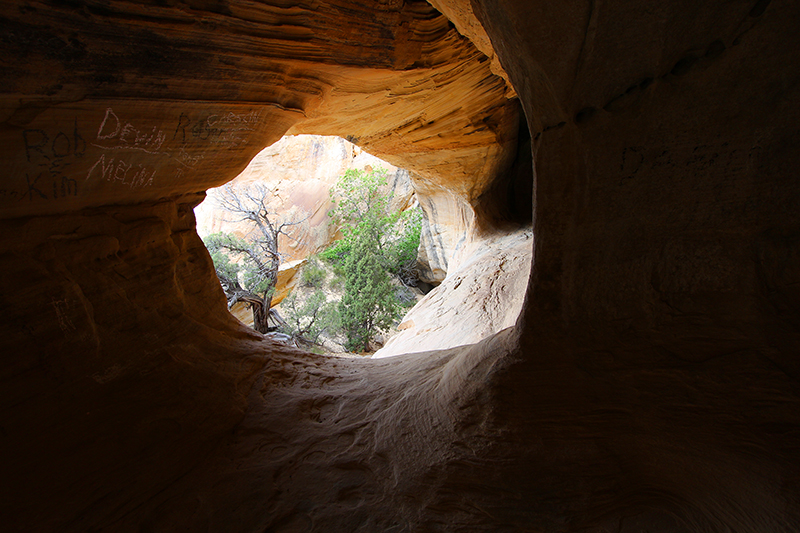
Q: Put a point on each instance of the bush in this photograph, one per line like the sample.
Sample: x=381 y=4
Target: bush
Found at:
x=308 y=320
x=312 y=275
x=336 y=253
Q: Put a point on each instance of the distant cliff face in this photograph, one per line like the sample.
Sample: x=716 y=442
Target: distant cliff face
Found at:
x=300 y=170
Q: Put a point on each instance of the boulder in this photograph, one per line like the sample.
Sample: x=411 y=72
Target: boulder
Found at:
x=482 y=296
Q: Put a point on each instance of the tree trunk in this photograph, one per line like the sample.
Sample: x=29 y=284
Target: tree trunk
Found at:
x=258 y=305
x=260 y=315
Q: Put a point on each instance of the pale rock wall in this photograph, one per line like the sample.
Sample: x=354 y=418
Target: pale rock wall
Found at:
x=480 y=297
x=449 y=223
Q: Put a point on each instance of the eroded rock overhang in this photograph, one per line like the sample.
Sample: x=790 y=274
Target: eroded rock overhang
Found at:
x=129 y=103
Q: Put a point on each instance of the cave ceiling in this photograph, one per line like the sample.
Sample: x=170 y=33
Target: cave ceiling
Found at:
x=136 y=101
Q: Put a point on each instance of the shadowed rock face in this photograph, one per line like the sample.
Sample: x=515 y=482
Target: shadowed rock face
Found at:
x=651 y=382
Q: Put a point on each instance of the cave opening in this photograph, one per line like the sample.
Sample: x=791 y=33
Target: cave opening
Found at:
x=651 y=382
x=280 y=234
x=280 y=212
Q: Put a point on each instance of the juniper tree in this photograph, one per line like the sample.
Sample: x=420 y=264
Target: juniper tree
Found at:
x=369 y=302
x=369 y=252
x=248 y=267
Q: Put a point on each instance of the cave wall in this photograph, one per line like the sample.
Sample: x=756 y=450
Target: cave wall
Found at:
x=676 y=160
x=665 y=148
x=650 y=382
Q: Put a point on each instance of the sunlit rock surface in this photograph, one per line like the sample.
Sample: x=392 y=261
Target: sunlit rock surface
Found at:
x=463 y=18
x=481 y=296
x=649 y=384
x=299 y=172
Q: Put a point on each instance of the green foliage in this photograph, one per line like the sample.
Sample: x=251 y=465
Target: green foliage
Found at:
x=369 y=302
x=222 y=263
x=219 y=242
x=357 y=195
x=308 y=320
x=312 y=275
x=226 y=247
x=375 y=244
x=362 y=212
x=336 y=254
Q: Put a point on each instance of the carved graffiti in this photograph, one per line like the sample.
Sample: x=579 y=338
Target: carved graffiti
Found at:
x=44 y=149
x=50 y=154
x=228 y=129
x=187 y=159
x=54 y=157
x=121 y=171
x=120 y=135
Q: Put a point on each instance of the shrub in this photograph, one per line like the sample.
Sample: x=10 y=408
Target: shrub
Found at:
x=308 y=320
x=312 y=275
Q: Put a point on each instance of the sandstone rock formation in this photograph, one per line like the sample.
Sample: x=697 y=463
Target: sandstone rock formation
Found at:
x=481 y=296
x=300 y=170
x=651 y=380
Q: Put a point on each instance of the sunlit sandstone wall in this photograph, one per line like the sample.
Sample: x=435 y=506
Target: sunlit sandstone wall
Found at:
x=651 y=382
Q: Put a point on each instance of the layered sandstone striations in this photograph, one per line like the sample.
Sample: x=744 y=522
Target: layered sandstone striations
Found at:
x=199 y=92
x=649 y=384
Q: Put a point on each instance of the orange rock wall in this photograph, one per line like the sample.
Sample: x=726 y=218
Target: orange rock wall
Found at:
x=194 y=100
